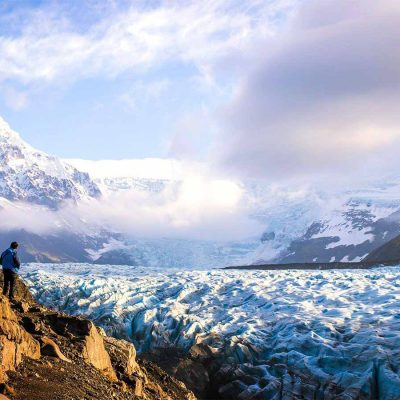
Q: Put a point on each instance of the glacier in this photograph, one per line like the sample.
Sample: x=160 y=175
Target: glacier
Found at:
x=286 y=334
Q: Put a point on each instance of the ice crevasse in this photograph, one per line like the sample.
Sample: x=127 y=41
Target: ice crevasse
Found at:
x=277 y=334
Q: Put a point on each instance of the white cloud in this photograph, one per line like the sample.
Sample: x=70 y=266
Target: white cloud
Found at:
x=322 y=95
x=198 y=207
x=50 y=47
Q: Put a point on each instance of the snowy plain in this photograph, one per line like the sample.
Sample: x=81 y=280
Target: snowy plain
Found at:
x=331 y=334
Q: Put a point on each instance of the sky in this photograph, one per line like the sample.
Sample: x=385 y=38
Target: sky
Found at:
x=269 y=89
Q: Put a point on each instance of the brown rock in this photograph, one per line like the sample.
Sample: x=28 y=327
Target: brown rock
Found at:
x=22 y=306
x=95 y=353
x=21 y=292
x=139 y=387
x=5 y=310
x=123 y=355
x=15 y=342
x=123 y=386
x=90 y=343
x=50 y=348
x=32 y=325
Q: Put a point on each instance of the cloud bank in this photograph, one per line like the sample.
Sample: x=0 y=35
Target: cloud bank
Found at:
x=198 y=207
x=321 y=97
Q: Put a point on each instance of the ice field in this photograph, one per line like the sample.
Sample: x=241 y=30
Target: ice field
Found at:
x=290 y=334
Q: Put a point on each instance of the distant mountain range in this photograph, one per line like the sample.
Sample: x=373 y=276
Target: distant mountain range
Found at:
x=360 y=222
x=301 y=225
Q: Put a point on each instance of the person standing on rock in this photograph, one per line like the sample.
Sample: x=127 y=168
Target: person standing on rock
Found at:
x=10 y=262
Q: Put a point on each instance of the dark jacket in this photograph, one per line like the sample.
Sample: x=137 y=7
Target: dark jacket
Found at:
x=10 y=261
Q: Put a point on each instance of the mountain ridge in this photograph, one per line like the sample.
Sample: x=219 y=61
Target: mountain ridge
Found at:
x=30 y=175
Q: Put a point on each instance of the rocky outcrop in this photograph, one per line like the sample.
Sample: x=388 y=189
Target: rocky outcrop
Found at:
x=88 y=341
x=388 y=252
x=50 y=348
x=15 y=342
x=123 y=356
x=44 y=352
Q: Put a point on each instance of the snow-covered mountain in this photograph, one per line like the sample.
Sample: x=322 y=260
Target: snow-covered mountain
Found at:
x=31 y=175
x=301 y=224
x=298 y=224
x=148 y=175
x=318 y=226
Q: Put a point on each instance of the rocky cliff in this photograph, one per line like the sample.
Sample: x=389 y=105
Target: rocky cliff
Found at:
x=49 y=355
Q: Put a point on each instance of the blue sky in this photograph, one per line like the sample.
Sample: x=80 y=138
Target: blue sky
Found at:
x=261 y=88
x=105 y=79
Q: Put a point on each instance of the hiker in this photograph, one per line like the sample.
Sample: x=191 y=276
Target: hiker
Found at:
x=10 y=262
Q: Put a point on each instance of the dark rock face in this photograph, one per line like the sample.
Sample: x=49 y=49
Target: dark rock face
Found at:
x=62 y=246
x=389 y=251
x=116 y=257
x=267 y=236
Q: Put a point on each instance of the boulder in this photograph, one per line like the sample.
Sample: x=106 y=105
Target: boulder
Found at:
x=50 y=348
x=32 y=325
x=139 y=387
x=21 y=306
x=122 y=354
x=94 y=353
x=89 y=341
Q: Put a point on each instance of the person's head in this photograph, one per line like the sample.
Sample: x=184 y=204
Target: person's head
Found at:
x=14 y=245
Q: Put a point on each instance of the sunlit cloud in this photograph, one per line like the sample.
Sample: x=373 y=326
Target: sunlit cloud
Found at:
x=322 y=95
x=198 y=207
x=50 y=47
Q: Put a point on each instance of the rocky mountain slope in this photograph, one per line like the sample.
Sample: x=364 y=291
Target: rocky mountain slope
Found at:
x=389 y=251
x=46 y=355
x=329 y=226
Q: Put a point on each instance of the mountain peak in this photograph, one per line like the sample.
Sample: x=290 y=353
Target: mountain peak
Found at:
x=6 y=133
x=31 y=175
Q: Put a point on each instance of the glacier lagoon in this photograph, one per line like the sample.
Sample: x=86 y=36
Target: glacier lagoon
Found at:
x=271 y=334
